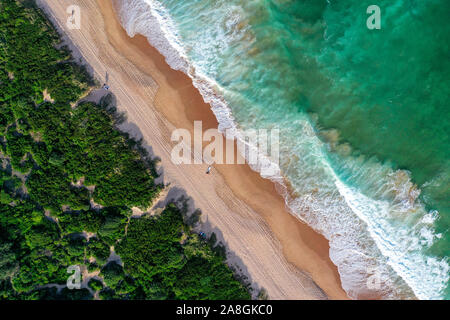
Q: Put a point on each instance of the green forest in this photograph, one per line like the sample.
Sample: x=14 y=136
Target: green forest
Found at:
x=68 y=181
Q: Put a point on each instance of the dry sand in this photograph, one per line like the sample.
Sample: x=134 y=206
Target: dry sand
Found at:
x=272 y=247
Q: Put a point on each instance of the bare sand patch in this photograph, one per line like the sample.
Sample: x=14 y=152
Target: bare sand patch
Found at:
x=268 y=244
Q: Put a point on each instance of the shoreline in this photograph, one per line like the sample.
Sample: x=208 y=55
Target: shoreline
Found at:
x=196 y=110
x=237 y=201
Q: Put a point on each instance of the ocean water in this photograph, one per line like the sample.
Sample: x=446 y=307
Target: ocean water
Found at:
x=363 y=117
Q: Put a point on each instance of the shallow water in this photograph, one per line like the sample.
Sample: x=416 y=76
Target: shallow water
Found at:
x=363 y=118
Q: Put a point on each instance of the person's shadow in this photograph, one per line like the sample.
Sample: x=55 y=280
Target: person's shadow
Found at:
x=106 y=77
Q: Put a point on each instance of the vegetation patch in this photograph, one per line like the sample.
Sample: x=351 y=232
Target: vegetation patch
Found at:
x=56 y=161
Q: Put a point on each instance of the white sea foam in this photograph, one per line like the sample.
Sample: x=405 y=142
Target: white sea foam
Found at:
x=386 y=231
x=150 y=18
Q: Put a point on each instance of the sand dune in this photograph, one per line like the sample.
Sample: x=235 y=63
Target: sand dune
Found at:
x=272 y=247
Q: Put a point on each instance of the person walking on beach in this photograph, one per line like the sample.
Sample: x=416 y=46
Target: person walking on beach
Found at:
x=208 y=170
x=105 y=85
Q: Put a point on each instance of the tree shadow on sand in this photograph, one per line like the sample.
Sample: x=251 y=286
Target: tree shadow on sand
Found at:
x=175 y=194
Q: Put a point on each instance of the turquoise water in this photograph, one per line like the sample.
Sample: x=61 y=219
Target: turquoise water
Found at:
x=363 y=118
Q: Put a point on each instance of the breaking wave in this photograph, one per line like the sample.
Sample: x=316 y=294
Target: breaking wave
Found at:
x=378 y=228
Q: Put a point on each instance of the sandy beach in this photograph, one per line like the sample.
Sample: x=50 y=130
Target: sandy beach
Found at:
x=268 y=244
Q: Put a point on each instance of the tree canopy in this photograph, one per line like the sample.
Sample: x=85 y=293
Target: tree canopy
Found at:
x=68 y=181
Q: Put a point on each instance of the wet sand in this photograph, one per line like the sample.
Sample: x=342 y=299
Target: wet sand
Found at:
x=275 y=249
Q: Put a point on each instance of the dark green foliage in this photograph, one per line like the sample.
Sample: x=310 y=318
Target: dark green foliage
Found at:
x=18 y=147
x=57 y=160
x=108 y=294
x=5 y=197
x=152 y=246
x=95 y=284
x=220 y=250
x=81 y=294
x=113 y=226
x=98 y=250
x=129 y=288
x=89 y=221
x=6 y=290
x=165 y=268
x=8 y=263
x=42 y=235
x=91 y=267
x=203 y=278
x=112 y=274
x=212 y=239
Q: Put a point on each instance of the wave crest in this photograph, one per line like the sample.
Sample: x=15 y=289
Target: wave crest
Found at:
x=366 y=234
